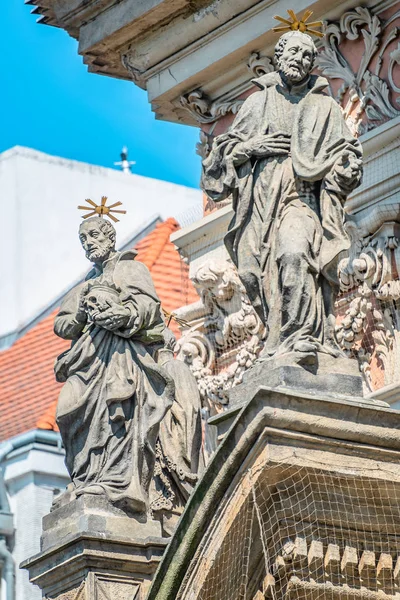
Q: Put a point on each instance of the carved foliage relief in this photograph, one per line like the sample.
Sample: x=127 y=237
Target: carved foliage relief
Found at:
x=226 y=341
x=360 y=55
x=229 y=338
x=369 y=321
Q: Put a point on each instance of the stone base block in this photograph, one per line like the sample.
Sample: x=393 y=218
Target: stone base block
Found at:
x=94 y=514
x=319 y=375
x=91 y=551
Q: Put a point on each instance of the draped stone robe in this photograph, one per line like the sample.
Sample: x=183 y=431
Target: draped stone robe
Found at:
x=104 y=370
x=288 y=226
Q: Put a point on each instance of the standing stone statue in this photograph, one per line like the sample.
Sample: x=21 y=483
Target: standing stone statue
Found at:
x=116 y=391
x=289 y=161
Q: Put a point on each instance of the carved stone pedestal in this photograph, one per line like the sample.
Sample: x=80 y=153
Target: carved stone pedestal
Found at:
x=300 y=501
x=317 y=375
x=91 y=551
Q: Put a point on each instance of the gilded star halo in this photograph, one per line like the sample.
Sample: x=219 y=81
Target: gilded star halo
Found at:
x=102 y=209
x=296 y=24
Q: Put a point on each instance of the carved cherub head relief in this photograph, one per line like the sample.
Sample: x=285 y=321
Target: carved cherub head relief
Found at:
x=215 y=280
x=97 y=236
x=295 y=54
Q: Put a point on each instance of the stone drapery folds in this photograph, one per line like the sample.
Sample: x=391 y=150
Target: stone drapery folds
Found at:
x=289 y=162
x=118 y=381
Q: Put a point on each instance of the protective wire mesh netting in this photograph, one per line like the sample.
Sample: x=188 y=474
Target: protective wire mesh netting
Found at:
x=306 y=533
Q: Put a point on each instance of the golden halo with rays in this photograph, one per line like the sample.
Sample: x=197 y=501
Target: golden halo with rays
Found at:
x=102 y=209
x=296 y=24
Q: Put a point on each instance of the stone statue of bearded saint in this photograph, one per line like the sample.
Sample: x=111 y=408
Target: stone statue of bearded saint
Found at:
x=116 y=392
x=289 y=161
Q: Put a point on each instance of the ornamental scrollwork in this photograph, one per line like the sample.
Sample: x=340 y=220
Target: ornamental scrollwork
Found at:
x=231 y=318
x=364 y=95
x=375 y=261
x=394 y=60
x=231 y=335
x=259 y=64
x=204 y=110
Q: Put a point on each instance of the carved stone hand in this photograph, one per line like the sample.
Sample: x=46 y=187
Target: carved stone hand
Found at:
x=274 y=144
x=82 y=312
x=113 y=318
x=348 y=171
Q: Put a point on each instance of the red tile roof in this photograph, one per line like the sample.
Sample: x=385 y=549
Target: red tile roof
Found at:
x=28 y=390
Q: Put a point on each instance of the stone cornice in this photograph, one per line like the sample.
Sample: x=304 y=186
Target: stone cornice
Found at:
x=174 y=47
x=171 y=47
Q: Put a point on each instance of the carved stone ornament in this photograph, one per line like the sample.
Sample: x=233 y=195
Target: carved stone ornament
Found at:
x=371 y=273
x=231 y=333
x=103 y=587
x=260 y=65
x=119 y=381
x=203 y=147
x=364 y=95
x=205 y=110
x=287 y=231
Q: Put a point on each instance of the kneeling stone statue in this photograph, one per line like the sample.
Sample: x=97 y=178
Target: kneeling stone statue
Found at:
x=117 y=384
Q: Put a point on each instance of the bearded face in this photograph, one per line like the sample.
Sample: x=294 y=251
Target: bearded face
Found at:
x=297 y=59
x=97 y=244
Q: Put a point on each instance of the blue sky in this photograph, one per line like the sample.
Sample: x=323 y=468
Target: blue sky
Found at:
x=51 y=103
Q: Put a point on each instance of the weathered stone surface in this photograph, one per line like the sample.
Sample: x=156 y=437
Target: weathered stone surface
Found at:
x=97 y=566
x=101 y=541
x=331 y=469
x=94 y=515
x=115 y=394
x=179 y=454
x=325 y=376
x=332 y=559
x=367 y=565
x=289 y=161
x=119 y=379
x=230 y=323
x=349 y=562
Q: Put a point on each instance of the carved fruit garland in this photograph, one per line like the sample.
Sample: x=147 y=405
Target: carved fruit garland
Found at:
x=231 y=324
x=373 y=266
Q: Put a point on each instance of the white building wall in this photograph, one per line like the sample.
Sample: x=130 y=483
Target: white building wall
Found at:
x=39 y=244
x=32 y=474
